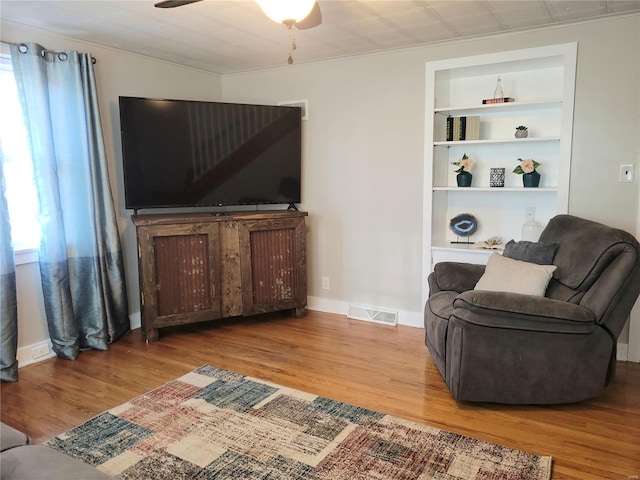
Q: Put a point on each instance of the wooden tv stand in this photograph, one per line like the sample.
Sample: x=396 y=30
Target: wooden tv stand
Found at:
x=198 y=267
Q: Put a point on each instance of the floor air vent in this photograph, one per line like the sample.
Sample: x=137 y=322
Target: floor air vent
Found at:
x=373 y=314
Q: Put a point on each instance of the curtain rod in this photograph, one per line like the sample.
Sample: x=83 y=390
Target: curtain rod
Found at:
x=23 y=48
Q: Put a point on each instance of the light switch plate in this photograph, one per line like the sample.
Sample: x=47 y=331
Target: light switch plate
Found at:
x=626 y=173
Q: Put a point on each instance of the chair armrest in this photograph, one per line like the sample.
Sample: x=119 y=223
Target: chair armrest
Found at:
x=10 y=437
x=525 y=312
x=454 y=276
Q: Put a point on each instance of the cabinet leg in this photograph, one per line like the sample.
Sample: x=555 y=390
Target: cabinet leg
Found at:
x=151 y=334
x=300 y=312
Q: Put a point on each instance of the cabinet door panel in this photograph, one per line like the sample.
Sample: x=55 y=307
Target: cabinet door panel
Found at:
x=273 y=269
x=180 y=277
x=183 y=274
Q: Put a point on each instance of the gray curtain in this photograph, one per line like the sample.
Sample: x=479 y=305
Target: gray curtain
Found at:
x=8 y=300
x=81 y=264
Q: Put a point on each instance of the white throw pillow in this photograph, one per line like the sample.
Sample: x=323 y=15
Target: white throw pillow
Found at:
x=508 y=275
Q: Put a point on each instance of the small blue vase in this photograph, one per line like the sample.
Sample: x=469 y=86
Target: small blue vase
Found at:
x=464 y=179
x=531 y=180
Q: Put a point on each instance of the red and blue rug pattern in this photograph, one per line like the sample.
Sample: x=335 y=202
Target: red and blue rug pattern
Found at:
x=216 y=424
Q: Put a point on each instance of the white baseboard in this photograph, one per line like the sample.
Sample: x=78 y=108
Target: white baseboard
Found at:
x=30 y=353
x=135 y=320
x=327 y=305
x=622 y=353
x=411 y=319
x=405 y=317
x=34 y=353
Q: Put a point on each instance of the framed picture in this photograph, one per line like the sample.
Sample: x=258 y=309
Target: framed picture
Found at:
x=303 y=104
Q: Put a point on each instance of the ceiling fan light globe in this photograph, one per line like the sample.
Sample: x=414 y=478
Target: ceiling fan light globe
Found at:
x=283 y=11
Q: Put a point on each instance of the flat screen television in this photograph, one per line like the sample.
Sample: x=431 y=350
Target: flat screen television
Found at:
x=182 y=153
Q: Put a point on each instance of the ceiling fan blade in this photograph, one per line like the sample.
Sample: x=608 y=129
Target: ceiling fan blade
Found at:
x=174 y=3
x=312 y=20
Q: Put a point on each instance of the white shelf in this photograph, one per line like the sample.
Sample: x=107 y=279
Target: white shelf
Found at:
x=461 y=253
x=464 y=246
x=496 y=189
x=497 y=141
x=542 y=80
x=499 y=107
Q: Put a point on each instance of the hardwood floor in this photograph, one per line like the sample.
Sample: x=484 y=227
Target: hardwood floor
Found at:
x=383 y=368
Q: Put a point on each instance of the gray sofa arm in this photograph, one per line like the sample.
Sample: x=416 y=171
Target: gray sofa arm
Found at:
x=454 y=276
x=10 y=438
x=21 y=460
x=34 y=462
x=522 y=312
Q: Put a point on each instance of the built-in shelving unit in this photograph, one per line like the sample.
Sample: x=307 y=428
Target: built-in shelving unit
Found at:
x=542 y=82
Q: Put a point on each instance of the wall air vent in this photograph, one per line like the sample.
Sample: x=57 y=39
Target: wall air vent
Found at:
x=373 y=314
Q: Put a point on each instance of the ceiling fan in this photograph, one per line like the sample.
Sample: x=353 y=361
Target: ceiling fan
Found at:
x=297 y=13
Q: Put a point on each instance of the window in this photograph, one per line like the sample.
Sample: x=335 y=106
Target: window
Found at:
x=21 y=193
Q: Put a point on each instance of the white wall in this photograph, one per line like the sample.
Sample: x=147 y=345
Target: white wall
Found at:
x=117 y=73
x=363 y=146
x=363 y=151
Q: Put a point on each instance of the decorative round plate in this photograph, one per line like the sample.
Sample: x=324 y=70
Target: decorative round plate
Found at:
x=463 y=225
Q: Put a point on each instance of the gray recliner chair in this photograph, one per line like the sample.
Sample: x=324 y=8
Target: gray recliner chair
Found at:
x=494 y=346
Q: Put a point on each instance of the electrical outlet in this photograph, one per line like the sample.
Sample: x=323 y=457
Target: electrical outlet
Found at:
x=626 y=173
x=530 y=214
x=325 y=283
x=40 y=351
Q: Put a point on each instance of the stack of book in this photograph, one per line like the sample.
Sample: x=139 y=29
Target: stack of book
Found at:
x=490 y=101
x=463 y=128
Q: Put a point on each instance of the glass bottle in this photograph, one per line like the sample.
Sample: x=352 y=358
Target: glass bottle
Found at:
x=498 y=93
x=531 y=229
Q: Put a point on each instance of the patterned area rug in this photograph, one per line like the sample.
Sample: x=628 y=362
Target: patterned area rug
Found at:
x=216 y=424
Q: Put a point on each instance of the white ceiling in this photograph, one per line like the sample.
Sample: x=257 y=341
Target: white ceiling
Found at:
x=231 y=36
